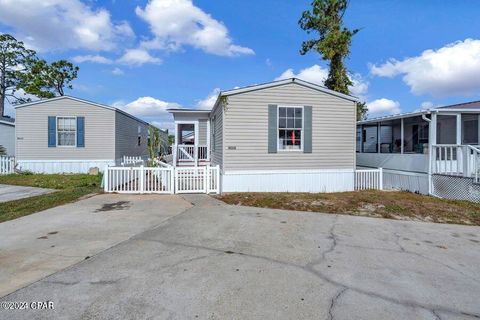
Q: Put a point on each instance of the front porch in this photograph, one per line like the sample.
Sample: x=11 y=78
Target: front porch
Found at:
x=417 y=149
x=192 y=138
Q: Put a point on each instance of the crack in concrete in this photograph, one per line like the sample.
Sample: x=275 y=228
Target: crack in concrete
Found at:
x=437 y=316
x=334 y=302
x=309 y=268
x=414 y=254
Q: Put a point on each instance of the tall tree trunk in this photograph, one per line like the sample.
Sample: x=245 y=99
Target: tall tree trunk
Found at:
x=2 y=104
x=2 y=96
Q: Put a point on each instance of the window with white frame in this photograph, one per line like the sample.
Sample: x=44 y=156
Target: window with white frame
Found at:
x=290 y=128
x=66 y=131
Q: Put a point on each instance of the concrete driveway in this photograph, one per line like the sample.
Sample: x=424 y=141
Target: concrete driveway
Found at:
x=215 y=261
x=35 y=246
x=9 y=192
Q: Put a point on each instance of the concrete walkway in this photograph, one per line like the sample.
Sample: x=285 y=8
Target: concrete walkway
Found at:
x=215 y=261
x=9 y=192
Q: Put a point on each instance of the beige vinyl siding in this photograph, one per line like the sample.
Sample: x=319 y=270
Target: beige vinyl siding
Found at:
x=246 y=129
x=126 y=136
x=32 y=131
x=202 y=132
x=216 y=141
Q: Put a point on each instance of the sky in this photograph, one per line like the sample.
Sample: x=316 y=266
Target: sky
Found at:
x=145 y=56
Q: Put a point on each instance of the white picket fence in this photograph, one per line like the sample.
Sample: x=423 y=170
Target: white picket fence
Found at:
x=368 y=179
x=126 y=160
x=7 y=165
x=169 y=180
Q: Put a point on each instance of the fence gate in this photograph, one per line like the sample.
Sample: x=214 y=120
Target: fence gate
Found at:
x=162 y=180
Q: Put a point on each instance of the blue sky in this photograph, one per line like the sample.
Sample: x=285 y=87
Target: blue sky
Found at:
x=145 y=56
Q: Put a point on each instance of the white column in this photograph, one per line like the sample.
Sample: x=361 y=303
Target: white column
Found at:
x=175 y=146
x=433 y=130
x=208 y=139
x=432 y=140
x=402 y=133
x=195 y=152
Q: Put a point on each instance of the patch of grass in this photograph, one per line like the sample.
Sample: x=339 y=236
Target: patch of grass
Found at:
x=387 y=204
x=70 y=188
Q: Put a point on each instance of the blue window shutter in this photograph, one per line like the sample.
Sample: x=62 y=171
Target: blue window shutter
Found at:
x=52 y=131
x=80 y=132
x=307 y=130
x=272 y=128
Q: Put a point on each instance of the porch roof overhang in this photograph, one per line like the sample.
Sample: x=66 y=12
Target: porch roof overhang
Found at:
x=468 y=107
x=188 y=111
x=395 y=117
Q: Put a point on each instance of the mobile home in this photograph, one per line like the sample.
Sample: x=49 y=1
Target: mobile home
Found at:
x=71 y=135
x=288 y=135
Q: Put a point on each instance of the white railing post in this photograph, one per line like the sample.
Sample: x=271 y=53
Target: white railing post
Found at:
x=380 y=177
x=206 y=179
x=217 y=172
x=172 y=180
x=142 y=179
x=106 y=186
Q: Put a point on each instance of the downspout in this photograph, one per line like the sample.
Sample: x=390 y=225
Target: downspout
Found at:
x=430 y=134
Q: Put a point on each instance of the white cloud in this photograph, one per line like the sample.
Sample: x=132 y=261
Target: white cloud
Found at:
x=449 y=71
x=92 y=58
x=176 y=23
x=316 y=74
x=151 y=110
x=209 y=101
x=147 y=107
x=117 y=72
x=21 y=94
x=138 y=57
x=62 y=24
x=426 y=105
x=383 y=107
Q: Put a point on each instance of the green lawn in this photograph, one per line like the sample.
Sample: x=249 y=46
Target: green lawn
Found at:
x=70 y=188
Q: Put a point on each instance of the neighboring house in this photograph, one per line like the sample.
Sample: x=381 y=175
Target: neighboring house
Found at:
x=7 y=135
x=430 y=152
x=67 y=134
x=287 y=135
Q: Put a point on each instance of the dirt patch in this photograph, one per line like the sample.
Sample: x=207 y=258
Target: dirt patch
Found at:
x=391 y=205
x=120 y=205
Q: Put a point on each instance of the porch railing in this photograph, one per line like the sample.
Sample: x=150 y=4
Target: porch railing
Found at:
x=474 y=162
x=187 y=152
x=458 y=160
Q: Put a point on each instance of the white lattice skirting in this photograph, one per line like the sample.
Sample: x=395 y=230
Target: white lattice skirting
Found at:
x=314 y=180
x=453 y=187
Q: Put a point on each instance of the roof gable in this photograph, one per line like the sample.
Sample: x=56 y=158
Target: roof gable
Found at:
x=286 y=82
x=86 y=102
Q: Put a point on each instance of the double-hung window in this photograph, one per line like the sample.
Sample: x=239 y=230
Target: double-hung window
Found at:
x=290 y=128
x=66 y=131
